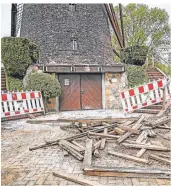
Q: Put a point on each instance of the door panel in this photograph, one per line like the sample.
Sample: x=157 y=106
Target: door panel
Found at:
x=91 y=91
x=70 y=98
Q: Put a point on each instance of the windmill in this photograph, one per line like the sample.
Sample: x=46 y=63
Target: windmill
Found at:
x=134 y=55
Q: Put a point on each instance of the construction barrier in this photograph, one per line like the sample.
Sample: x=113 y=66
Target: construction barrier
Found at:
x=145 y=95
x=19 y=103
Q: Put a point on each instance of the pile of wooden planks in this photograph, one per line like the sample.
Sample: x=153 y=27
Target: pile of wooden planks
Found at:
x=130 y=133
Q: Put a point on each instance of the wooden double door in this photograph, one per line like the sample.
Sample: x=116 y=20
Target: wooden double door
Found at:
x=80 y=91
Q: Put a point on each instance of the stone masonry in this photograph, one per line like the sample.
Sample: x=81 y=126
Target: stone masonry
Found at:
x=57 y=28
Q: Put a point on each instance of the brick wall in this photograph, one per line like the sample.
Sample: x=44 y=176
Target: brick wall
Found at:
x=53 y=27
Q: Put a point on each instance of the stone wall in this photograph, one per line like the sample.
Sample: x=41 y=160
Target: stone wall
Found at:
x=54 y=27
x=114 y=83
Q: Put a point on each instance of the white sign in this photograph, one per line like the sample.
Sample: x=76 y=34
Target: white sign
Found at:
x=66 y=82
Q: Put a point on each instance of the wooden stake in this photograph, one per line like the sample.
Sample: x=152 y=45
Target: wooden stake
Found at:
x=140 y=160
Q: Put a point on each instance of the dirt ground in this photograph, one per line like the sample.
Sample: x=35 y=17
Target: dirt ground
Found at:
x=22 y=167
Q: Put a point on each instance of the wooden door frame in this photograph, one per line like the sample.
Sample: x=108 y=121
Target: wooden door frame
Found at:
x=102 y=90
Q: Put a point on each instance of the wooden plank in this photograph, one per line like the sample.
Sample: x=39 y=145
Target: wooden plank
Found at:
x=103 y=135
x=75 y=179
x=161 y=127
x=103 y=141
x=128 y=123
x=164 y=156
x=126 y=128
x=128 y=172
x=142 y=151
x=141 y=137
x=108 y=119
x=119 y=130
x=88 y=153
x=159 y=159
x=136 y=126
x=97 y=145
x=70 y=150
x=55 y=142
x=129 y=157
x=145 y=146
x=78 y=144
x=161 y=121
x=162 y=111
x=80 y=150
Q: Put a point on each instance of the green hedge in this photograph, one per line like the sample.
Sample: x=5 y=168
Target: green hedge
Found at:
x=17 y=55
x=46 y=83
x=135 y=55
x=164 y=68
x=14 y=84
x=136 y=75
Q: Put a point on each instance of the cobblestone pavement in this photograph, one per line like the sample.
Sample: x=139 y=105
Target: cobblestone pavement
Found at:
x=21 y=167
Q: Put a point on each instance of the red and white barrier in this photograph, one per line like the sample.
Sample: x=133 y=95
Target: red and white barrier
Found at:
x=18 y=103
x=145 y=95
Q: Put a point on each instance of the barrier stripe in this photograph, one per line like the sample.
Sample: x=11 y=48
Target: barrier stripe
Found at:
x=145 y=95
x=18 y=103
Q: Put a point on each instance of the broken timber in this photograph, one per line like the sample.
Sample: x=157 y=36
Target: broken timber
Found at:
x=103 y=135
x=146 y=146
x=74 y=179
x=161 y=121
x=129 y=172
x=159 y=159
x=136 y=126
x=70 y=150
x=55 y=142
x=88 y=153
x=140 y=160
x=103 y=141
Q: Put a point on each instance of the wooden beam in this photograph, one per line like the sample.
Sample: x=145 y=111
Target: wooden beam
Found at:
x=79 y=145
x=141 y=137
x=128 y=172
x=142 y=151
x=145 y=146
x=70 y=150
x=159 y=159
x=129 y=129
x=125 y=156
x=75 y=179
x=136 y=126
x=161 y=121
x=168 y=104
x=55 y=142
x=103 y=141
x=103 y=135
x=80 y=150
x=88 y=153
